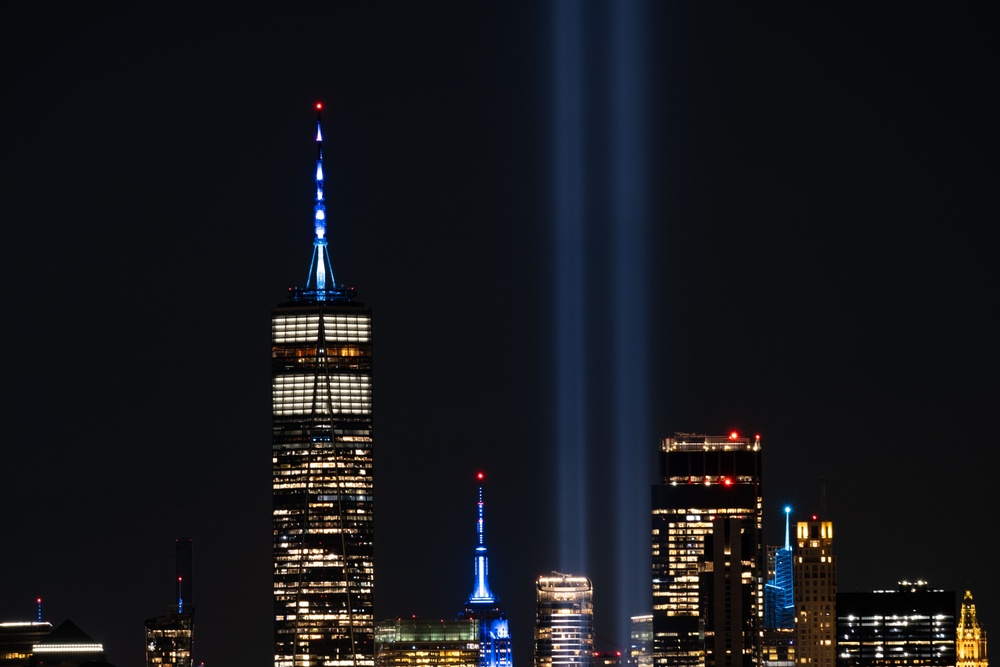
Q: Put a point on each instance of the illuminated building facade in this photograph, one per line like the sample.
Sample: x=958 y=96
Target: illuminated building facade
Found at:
x=170 y=638
x=707 y=552
x=814 y=570
x=778 y=640
x=564 y=621
x=323 y=518
x=66 y=646
x=17 y=639
x=424 y=643
x=906 y=627
x=970 y=638
x=641 y=641
x=494 y=631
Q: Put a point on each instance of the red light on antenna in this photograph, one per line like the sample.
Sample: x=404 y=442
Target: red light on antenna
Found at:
x=479 y=475
x=319 y=105
x=733 y=435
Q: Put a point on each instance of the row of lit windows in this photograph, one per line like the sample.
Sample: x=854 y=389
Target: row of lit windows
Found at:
x=307 y=394
x=305 y=328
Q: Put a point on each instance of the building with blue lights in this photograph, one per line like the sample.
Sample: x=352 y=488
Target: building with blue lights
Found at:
x=321 y=423
x=707 y=552
x=491 y=622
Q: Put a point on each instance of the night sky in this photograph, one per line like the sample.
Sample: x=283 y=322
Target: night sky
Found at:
x=820 y=187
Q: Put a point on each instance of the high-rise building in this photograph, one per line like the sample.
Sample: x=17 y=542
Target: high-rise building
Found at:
x=564 y=621
x=494 y=631
x=414 y=642
x=321 y=422
x=908 y=627
x=814 y=573
x=970 y=638
x=778 y=639
x=640 y=652
x=707 y=552
x=170 y=638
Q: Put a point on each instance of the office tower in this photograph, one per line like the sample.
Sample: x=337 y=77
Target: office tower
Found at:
x=170 y=638
x=814 y=574
x=779 y=600
x=423 y=643
x=17 y=639
x=641 y=641
x=708 y=556
x=66 y=646
x=321 y=422
x=970 y=639
x=778 y=640
x=564 y=621
x=906 y=627
x=494 y=632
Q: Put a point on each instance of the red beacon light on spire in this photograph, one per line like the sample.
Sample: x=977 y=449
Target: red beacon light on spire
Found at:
x=319 y=106
x=479 y=475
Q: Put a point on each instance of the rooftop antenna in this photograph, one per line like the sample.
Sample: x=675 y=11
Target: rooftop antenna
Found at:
x=38 y=604
x=788 y=542
x=319 y=267
x=822 y=496
x=180 y=595
x=481 y=594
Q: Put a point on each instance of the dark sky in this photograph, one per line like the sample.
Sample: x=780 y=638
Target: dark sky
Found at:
x=820 y=191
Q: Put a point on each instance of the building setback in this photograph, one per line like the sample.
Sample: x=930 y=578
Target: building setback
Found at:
x=707 y=552
x=321 y=419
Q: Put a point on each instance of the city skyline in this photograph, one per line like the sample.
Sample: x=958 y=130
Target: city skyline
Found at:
x=818 y=272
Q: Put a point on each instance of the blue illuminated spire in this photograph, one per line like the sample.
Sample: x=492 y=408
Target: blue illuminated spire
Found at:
x=320 y=267
x=481 y=593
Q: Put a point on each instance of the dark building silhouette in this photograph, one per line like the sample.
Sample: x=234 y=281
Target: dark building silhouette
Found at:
x=707 y=552
x=321 y=425
x=67 y=646
x=909 y=626
x=170 y=638
x=17 y=638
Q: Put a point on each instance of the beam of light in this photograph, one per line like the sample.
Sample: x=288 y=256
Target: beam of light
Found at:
x=568 y=126
x=631 y=346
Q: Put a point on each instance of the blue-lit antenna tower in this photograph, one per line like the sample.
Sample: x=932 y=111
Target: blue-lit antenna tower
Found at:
x=779 y=597
x=494 y=632
x=320 y=283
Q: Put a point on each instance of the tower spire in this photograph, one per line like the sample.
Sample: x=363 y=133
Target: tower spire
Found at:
x=788 y=542
x=320 y=268
x=481 y=593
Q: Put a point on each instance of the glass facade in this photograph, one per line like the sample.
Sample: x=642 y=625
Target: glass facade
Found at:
x=907 y=627
x=425 y=643
x=564 y=621
x=707 y=552
x=322 y=482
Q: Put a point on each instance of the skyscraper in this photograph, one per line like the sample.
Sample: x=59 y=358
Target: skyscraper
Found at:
x=321 y=417
x=170 y=638
x=912 y=626
x=707 y=552
x=564 y=621
x=778 y=640
x=814 y=570
x=491 y=622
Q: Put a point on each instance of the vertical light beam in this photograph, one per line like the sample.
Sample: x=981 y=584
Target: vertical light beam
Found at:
x=568 y=126
x=629 y=243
